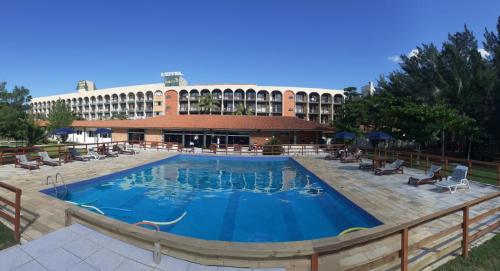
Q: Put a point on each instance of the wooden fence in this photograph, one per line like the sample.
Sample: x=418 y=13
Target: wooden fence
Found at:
x=403 y=231
x=16 y=205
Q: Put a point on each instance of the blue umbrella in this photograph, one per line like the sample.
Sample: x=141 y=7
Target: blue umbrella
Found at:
x=379 y=135
x=63 y=131
x=344 y=135
x=100 y=131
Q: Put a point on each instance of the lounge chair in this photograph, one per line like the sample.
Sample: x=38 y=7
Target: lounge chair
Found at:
x=430 y=177
x=23 y=162
x=394 y=167
x=351 y=158
x=92 y=153
x=457 y=179
x=365 y=165
x=75 y=155
x=333 y=155
x=46 y=160
x=122 y=150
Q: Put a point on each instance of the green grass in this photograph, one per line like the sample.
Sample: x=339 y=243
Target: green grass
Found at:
x=6 y=237
x=483 y=258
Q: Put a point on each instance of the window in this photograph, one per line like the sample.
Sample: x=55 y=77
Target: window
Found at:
x=78 y=132
x=158 y=103
x=91 y=133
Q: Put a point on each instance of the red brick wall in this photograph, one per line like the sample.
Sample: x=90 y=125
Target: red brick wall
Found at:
x=288 y=104
x=171 y=102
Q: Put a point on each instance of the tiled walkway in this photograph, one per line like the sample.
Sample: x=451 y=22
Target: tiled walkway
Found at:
x=79 y=248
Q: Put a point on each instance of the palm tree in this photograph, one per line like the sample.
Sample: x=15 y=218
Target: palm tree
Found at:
x=207 y=103
x=243 y=110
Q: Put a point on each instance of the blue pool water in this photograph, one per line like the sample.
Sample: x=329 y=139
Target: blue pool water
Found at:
x=235 y=199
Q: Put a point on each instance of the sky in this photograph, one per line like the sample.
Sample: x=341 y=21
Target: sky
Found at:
x=48 y=46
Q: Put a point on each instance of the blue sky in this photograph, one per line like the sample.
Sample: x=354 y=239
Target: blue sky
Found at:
x=48 y=46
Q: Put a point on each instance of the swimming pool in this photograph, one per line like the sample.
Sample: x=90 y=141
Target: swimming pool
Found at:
x=238 y=199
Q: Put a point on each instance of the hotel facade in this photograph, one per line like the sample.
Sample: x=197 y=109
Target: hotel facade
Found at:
x=174 y=98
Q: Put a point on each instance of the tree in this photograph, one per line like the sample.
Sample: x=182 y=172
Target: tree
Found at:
x=13 y=111
x=207 y=103
x=351 y=93
x=243 y=110
x=60 y=116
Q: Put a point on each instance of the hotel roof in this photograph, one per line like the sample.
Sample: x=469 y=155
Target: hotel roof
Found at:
x=210 y=122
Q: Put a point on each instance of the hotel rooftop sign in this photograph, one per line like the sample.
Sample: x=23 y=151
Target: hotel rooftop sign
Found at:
x=173 y=79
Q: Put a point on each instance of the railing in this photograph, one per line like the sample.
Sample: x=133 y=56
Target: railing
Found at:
x=16 y=205
x=486 y=172
x=403 y=231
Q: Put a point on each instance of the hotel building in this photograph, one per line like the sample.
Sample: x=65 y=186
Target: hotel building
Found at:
x=176 y=97
x=171 y=109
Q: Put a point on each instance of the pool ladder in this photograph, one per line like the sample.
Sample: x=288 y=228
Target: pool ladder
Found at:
x=55 y=181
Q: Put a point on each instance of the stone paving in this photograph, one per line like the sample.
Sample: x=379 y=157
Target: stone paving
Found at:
x=78 y=248
x=388 y=198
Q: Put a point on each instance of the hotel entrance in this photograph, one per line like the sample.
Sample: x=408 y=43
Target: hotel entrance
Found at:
x=135 y=135
x=203 y=139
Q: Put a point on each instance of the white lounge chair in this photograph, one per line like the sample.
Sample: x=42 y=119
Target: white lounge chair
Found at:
x=457 y=179
x=46 y=160
x=93 y=153
x=23 y=162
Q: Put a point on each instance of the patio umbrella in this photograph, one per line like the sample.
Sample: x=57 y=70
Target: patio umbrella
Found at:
x=63 y=131
x=379 y=135
x=344 y=135
x=101 y=131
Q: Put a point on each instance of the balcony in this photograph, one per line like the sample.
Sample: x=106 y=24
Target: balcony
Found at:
x=140 y=100
x=326 y=101
x=182 y=99
x=183 y=109
x=123 y=101
x=313 y=101
x=300 y=99
x=114 y=102
x=99 y=102
x=194 y=98
x=228 y=109
x=313 y=111
x=131 y=101
x=194 y=109
x=250 y=97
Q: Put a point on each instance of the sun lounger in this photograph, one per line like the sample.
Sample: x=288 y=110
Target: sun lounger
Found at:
x=122 y=150
x=75 y=155
x=394 y=167
x=457 y=180
x=365 y=165
x=430 y=177
x=351 y=158
x=23 y=162
x=92 y=153
x=46 y=160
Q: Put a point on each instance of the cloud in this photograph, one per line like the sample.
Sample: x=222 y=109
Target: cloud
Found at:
x=412 y=53
x=483 y=53
x=397 y=59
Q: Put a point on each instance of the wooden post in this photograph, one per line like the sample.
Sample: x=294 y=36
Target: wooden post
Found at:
x=469 y=164
x=315 y=262
x=17 y=223
x=404 y=249
x=465 y=232
x=498 y=174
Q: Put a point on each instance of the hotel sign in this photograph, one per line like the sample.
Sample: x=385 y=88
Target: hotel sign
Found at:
x=172 y=79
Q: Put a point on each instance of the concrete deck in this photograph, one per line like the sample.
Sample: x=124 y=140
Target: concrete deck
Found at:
x=388 y=198
x=80 y=248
